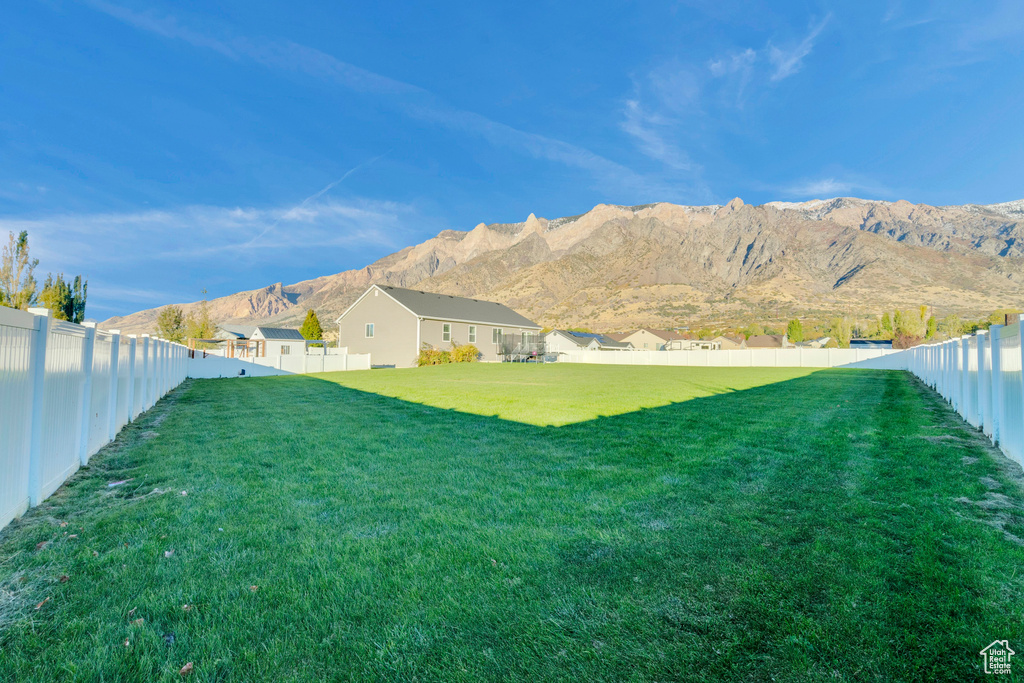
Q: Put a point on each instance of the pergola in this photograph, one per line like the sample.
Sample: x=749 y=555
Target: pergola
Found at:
x=235 y=348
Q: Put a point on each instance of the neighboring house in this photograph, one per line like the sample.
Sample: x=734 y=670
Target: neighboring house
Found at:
x=692 y=345
x=618 y=336
x=769 y=341
x=653 y=340
x=563 y=341
x=818 y=343
x=871 y=343
x=280 y=341
x=243 y=341
x=393 y=324
x=727 y=343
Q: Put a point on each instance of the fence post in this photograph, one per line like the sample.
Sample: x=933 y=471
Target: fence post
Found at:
x=146 y=369
x=86 y=409
x=115 y=360
x=132 y=342
x=997 y=384
x=37 y=363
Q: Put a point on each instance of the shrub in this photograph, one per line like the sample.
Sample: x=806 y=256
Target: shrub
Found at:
x=466 y=353
x=432 y=356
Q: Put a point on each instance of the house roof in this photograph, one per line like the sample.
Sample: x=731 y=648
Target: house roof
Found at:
x=586 y=338
x=667 y=335
x=618 y=336
x=280 y=333
x=235 y=331
x=446 y=307
x=871 y=342
x=612 y=344
x=765 y=341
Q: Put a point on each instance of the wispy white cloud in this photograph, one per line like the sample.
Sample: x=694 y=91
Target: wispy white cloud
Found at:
x=789 y=60
x=204 y=234
x=412 y=100
x=735 y=62
x=827 y=187
x=650 y=131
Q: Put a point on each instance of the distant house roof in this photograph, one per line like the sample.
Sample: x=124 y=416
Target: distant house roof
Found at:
x=766 y=341
x=235 y=331
x=278 y=333
x=583 y=339
x=872 y=343
x=618 y=336
x=667 y=335
x=457 y=308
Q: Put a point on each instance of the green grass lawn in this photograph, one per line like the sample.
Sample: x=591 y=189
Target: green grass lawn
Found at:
x=561 y=522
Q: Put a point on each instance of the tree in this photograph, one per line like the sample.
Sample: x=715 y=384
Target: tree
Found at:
x=170 y=324
x=907 y=324
x=886 y=324
x=754 y=330
x=79 y=290
x=841 y=329
x=200 y=326
x=311 y=327
x=952 y=326
x=66 y=299
x=795 y=330
x=932 y=327
x=17 y=284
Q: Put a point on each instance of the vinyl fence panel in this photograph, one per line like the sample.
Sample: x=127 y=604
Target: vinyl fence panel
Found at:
x=65 y=392
x=17 y=337
x=982 y=377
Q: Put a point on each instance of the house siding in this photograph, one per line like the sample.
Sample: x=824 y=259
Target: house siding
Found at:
x=642 y=339
x=394 y=339
x=432 y=332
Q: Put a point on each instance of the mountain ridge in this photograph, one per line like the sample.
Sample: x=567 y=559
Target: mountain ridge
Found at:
x=665 y=264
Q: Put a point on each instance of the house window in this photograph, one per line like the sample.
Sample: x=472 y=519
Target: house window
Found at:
x=285 y=349
x=496 y=336
x=526 y=338
x=446 y=332
x=369 y=330
x=472 y=334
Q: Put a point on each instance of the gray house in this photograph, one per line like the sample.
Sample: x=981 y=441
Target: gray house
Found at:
x=392 y=325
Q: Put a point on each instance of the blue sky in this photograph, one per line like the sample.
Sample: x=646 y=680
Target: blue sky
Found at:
x=163 y=148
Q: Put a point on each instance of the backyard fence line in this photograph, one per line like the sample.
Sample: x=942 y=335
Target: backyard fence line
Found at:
x=981 y=377
x=66 y=390
x=212 y=366
x=877 y=359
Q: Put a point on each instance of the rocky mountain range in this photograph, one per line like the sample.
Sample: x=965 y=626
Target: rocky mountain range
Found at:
x=663 y=265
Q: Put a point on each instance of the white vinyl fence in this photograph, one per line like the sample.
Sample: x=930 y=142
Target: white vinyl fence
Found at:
x=980 y=375
x=877 y=359
x=211 y=366
x=65 y=392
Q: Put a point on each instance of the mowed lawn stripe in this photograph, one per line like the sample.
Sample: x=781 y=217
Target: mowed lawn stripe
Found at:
x=715 y=523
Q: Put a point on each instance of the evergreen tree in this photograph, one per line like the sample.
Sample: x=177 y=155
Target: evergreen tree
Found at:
x=932 y=327
x=795 y=330
x=311 y=326
x=886 y=323
x=65 y=298
x=17 y=284
x=170 y=324
x=78 y=293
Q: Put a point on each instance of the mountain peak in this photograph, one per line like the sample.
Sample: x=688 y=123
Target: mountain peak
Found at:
x=616 y=267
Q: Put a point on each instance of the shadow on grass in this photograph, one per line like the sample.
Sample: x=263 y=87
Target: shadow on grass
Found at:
x=798 y=530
